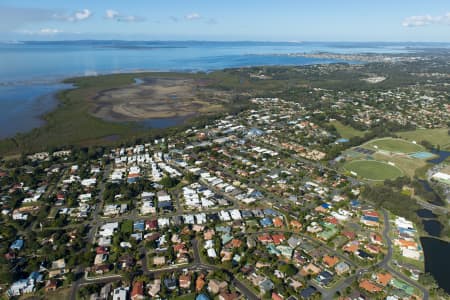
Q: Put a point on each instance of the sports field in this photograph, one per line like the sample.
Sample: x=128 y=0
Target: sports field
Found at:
x=346 y=131
x=373 y=170
x=407 y=164
x=437 y=136
x=393 y=145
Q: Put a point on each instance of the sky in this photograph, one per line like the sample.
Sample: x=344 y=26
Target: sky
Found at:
x=225 y=20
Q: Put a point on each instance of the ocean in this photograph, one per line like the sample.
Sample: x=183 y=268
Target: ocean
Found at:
x=31 y=72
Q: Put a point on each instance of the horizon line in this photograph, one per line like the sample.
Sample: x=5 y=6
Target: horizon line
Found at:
x=225 y=41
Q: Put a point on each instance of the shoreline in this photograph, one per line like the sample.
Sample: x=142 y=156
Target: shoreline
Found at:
x=30 y=106
x=56 y=95
x=73 y=109
x=123 y=79
x=70 y=79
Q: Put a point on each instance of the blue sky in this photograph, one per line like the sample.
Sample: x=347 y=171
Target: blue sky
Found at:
x=265 y=20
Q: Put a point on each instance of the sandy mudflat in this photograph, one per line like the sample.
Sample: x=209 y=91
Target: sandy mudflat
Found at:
x=155 y=98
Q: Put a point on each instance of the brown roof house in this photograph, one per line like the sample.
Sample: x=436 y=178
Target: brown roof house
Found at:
x=184 y=281
x=137 y=293
x=51 y=285
x=215 y=286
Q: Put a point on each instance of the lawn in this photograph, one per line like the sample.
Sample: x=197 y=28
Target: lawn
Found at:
x=438 y=136
x=186 y=297
x=61 y=293
x=399 y=257
x=127 y=226
x=345 y=131
x=373 y=170
x=407 y=164
x=394 y=145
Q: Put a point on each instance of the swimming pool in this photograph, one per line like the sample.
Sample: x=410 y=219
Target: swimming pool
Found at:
x=422 y=155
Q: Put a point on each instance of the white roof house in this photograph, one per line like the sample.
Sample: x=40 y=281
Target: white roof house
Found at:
x=163 y=222
x=410 y=253
x=235 y=214
x=107 y=230
x=88 y=182
x=224 y=215
x=211 y=253
x=120 y=293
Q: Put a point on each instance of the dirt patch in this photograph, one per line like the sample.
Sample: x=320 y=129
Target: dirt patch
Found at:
x=157 y=98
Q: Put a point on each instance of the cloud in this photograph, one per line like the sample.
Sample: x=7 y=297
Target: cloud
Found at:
x=42 y=31
x=111 y=14
x=80 y=15
x=49 y=31
x=424 y=20
x=192 y=16
x=115 y=15
x=130 y=19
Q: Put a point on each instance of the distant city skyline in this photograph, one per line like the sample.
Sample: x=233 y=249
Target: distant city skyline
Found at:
x=263 y=20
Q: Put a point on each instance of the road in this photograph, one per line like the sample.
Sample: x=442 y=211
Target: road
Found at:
x=329 y=293
x=79 y=270
x=326 y=293
x=311 y=239
x=385 y=263
x=239 y=285
x=197 y=264
x=432 y=207
x=97 y=221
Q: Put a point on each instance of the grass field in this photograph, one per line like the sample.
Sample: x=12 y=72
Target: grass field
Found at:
x=186 y=297
x=394 y=145
x=127 y=226
x=407 y=164
x=437 y=136
x=346 y=131
x=373 y=170
x=59 y=294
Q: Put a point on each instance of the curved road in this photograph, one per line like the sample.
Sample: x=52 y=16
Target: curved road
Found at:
x=329 y=293
x=388 y=257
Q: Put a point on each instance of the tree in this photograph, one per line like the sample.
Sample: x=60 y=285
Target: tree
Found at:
x=70 y=277
x=427 y=144
x=289 y=269
x=168 y=182
x=427 y=279
x=191 y=177
x=6 y=277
